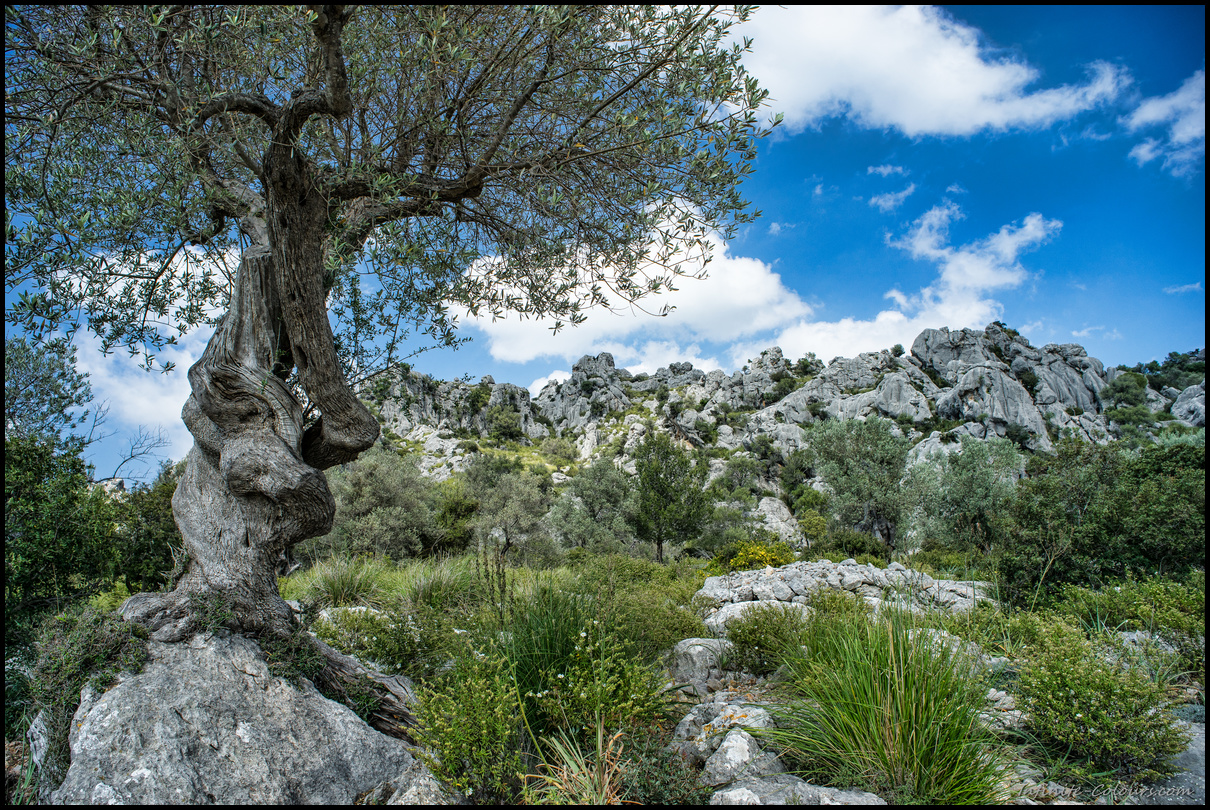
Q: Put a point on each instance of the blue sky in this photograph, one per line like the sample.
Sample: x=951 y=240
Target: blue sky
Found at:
x=937 y=167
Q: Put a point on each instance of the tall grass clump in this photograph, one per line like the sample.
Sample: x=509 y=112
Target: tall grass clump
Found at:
x=873 y=706
x=341 y=581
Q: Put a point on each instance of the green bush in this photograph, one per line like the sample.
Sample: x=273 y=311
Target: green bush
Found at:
x=875 y=709
x=599 y=682
x=1080 y=702
x=471 y=719
x=417 y=642
x=762 y=635
x=655 y=776
x=78 y=647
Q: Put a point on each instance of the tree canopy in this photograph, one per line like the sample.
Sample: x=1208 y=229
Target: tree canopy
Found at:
x=539 y=159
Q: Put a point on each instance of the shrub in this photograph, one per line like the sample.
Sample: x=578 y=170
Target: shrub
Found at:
x=755 y=553
x=599 y=684
x=1112 y=716
x=76 y=648
x=877 y=709
x=814 y=525
x=470 y=718
x=762 y=635
x=655 y=776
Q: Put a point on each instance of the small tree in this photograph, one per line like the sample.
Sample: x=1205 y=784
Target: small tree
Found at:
x=863 y=462
x=148 y=533
x=974 y=492
x=671 y=504
x=59 y=539
x=596 y=510
x=382 y=508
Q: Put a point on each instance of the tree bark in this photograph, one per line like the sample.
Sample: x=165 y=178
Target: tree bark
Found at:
x=246 y=494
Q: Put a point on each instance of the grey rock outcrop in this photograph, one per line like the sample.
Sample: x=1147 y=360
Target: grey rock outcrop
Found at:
x=206 y=723
x=1190 y=405
x=734 y=594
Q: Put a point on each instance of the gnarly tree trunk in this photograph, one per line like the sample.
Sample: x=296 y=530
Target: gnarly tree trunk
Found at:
x=247 y=494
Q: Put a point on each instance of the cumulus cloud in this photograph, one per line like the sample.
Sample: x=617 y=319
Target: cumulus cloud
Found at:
x=1183 y=113
x=909 y=68
x=959 y=297
x=776 y=228
x=558 y=375
x=140 y=398
x=1184 y=288
x=891 y=200
x=741 y=296
x=886 y=170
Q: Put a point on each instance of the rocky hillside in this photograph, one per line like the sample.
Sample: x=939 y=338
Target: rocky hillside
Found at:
x=982 y=383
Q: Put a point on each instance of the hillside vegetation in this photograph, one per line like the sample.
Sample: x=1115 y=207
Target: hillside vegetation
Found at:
x=530 y=561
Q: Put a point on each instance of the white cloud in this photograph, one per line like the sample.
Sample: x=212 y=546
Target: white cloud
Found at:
x=140 y=398
x=776 y=228
x=891 y=200
x=886 y=170
x=958 y=298
x=1184 y=288
x=1183 y=111
x=914 y=69
x=740 y=297
x=1085 y=332
x=955 y=188
x=559 y=375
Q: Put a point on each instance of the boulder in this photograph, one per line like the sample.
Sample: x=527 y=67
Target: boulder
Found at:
x=1190 y=406
x=784 y=788
x=206 y=723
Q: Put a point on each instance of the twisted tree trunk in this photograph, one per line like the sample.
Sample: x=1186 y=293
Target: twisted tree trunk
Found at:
x=254 y=484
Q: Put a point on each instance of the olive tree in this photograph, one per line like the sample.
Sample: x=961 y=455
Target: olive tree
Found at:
x=368 y=173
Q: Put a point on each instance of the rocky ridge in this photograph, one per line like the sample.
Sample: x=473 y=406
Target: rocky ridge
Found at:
x=982 y=383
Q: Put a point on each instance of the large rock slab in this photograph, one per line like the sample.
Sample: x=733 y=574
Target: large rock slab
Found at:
x=206 y=723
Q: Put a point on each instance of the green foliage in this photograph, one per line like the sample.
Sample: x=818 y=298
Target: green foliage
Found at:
x=814 y=525
x=1028 y=379
x=599 y=682
x=1114 y=717
x=148 y=533
x=656 y=776
x=971 y=493
x=875 y=708
x=863 y=462
x=294 y=657
x=469 y=717
x=59 y=538
x=760 y=552
x=641 y=138
x=671 y=504
x=596 y=511
x=1090 y=514
x=845 y=543
x=808 y=366
x=75 y=648
x=1179 y=370
x=1172 y=612
x=382 y=508
x=510 y=517
x=504 y=423
x=706 y=430
x=897 y=350
x=340 y=581
x=41 y=389
x=452 y=508
x=479 y=396
x=763 y=635
x=562 y=450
